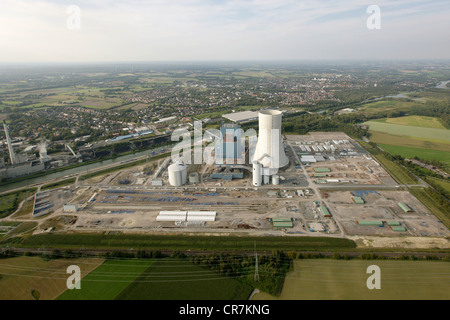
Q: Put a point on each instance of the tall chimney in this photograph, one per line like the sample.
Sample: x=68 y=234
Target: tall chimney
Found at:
x=12 y=156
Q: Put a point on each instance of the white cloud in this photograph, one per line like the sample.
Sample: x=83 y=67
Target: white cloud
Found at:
x=113 y=30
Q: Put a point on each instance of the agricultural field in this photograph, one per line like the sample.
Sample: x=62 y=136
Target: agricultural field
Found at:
x=168 y=279
x=416 y=121
x=160 y=279
x=408 y=152
x=424 y=137
x=108 y=280
x=346 y=279
x=389 y=105
x=409 y=130
x=21 y=275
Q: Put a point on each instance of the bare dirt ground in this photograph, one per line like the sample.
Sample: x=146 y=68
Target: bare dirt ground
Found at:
x=401 y=242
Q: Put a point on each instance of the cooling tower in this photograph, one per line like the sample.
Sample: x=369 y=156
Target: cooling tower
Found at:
x=269 y=149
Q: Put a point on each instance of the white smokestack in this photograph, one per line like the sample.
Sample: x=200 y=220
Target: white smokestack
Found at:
x=12 y=156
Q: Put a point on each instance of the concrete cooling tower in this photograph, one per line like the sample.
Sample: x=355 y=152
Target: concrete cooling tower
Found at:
x=269 y=152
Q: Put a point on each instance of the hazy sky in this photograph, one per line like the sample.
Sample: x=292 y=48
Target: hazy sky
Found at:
x=155 y=30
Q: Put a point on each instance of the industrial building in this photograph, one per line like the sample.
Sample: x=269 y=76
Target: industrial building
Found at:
x=322 y=170
x=282 y=223
x=188 y=216
x=240 y=117
x=405 y=207
x=19 y=164
x=370 y=223
x=324 y=211
x=231 y=150
x=230 y=153
x=70 y=207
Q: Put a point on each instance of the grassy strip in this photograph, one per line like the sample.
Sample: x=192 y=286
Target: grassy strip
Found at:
x=58 y=184
x=171 y=242
x=9 y=202
x=424 y=197
x=445 y=184
x=400 y=174
x=24 y=227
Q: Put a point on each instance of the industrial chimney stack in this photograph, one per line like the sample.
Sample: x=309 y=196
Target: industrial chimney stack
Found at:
x=12 y=156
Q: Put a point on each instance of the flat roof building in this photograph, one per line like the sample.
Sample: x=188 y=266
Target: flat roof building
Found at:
x=243 y=116
x=70 y=208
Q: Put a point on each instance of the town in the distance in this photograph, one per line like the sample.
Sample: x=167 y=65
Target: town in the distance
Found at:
x=341 y=158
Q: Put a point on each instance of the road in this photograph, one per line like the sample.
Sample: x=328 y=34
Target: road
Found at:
x=316 y=189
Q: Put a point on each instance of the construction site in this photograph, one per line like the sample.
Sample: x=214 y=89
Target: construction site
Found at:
x=323 y=183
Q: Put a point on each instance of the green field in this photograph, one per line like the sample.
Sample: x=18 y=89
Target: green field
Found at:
x=379 y=106
x=339 y=279
x=169 y=279
x=58 y=184
x=417 y=121
x=403 y=140
x=108 y=280
x=412 y=131
x=412 y=136
x=443 y=183
x=9 y=202
x=160 y=279
x=408 y=152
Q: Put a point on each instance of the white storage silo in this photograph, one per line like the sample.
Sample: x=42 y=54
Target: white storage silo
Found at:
x=275 y=180
x=193 y=177
x=257 y=174
x=177 y=174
